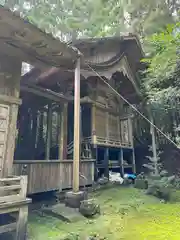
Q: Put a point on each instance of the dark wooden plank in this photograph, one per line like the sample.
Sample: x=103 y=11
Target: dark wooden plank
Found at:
x=10 y=188
x=22 y=223
x=8 y=228
x=17 y=202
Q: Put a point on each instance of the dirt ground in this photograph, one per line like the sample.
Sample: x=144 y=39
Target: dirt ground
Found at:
x=126 y=213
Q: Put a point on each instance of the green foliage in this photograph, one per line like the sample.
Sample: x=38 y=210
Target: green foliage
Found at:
x=162 y=74
x=161 y=80
x=126 y=212
x=97 y=18
x=153 y=163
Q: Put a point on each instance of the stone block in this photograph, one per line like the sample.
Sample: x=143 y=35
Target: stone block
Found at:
x=73 y=199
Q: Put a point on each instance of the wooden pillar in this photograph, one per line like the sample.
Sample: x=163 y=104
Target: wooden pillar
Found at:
x=93 y=124
x=61 y=143
x=33 y=133
x=106 y=162
x=133 y=161
x=107 y=125
x=65 y=129
x=119 y=128
x=130 y=131
x=76 y=155
x=95 y=156
x=121 y=160
x=132 y=144
x=154 y=150
x=61 y=133
x=49 y=132
x=40 y=140
x=10 y=74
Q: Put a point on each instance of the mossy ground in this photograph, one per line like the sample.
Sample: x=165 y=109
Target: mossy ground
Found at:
x=126 y=213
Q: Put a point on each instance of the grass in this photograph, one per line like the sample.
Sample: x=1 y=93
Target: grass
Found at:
x=127 y=213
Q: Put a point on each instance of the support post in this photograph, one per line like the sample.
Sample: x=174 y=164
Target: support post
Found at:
x=95 y=156
x=133 y=161
x=107 y=125
x=65 y=129
x=154 y=150
x=93 y=124
x=121 y=159
x=61 y=133
x=33 y=134
x=76 y=155
x=22 y=223
x=106 y=161
x=132 y=144
x=49 y=130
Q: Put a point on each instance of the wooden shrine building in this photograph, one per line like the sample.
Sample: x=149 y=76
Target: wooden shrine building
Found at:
x=21 y=42
x=44 y=143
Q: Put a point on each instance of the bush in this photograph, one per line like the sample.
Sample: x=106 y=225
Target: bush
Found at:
x=141 y=184
x=160 y=190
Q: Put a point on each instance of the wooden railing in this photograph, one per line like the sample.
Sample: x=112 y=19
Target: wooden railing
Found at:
x=13 y=192
x=108 y=142
x=52 y=175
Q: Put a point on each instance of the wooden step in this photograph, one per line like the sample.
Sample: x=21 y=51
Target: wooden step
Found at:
x=8 y=228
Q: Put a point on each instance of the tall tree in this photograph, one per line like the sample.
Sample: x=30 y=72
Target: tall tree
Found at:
x=98 y=18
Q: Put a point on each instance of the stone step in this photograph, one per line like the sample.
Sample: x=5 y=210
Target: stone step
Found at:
x=64 y=213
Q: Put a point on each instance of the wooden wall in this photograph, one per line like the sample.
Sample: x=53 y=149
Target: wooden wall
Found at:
x=52 y=175
x=10 y=74
x=111 y=129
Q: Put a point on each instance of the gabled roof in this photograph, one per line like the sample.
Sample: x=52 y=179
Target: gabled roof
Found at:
x=124 y=58
x=20 y=39
x=126 y=46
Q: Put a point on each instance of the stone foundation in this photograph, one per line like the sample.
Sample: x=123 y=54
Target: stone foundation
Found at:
x=73 y=199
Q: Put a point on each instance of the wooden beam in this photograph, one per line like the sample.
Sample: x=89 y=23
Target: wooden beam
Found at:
x=8 y=228
x=42 y=92
x=76 y=155
x=10 y=99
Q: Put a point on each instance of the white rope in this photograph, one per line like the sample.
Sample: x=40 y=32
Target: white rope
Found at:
x=134 y=108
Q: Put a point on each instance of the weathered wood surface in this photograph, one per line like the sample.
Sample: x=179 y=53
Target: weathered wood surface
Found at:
x=13 y=192
x=4 y=120
x=109 y=129
x=9 y=101
x=26 y=40
x=42 y=175
x=53 y=175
